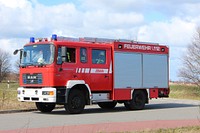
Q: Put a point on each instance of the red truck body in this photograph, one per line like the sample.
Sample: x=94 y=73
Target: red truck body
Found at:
x=78 y=72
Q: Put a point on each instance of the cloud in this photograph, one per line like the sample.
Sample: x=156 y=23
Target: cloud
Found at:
x=104 y=20
x=28 y=19
x=168 y=22
x=176 y=32
x=110 y=6
x=9 y=45
x=13 y=3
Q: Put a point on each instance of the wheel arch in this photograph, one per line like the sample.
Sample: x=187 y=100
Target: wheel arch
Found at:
x=80 y=85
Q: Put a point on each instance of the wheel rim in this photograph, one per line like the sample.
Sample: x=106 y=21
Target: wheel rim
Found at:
x=76 y=102
x=139 y=100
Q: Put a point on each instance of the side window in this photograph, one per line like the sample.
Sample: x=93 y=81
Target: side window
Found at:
x=83 y=55
x=71 y=55
x=98 y=56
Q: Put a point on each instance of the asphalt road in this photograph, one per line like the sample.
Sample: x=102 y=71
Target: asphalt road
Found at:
x=157 y=110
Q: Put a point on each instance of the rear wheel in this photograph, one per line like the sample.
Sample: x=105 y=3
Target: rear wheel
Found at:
x=107 y=105
x=76 y=102
x=137 y=102
x=45 y=107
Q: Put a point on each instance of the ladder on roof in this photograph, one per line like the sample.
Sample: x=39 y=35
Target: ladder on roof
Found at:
x=97 y=40
x=92 y=39
x=61 y=38
x=101 y=40
x=105 y=40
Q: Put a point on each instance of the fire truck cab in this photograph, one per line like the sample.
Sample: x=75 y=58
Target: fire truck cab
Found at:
x=75 y=72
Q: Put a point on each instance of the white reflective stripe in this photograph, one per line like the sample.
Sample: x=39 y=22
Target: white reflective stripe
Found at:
x=94 y=70
x=110 y=69
x=83 y=70
x=99 y=70
x=79 y=70
x=87 y=70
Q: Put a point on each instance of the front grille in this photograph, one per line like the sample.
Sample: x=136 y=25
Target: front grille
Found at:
x=35 y=78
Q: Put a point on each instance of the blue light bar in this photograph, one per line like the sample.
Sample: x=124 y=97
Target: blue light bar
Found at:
x=54 y=37
x=32 y=39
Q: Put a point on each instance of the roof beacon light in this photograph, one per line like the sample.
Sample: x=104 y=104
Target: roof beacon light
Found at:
x=54 y=37
x=32 y=39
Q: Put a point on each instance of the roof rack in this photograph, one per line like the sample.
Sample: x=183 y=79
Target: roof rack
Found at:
x=101 y=40
x=150 y=43
x=97 y=40
x=61 y=38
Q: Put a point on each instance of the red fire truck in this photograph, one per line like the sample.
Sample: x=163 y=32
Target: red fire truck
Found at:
x=75 y=72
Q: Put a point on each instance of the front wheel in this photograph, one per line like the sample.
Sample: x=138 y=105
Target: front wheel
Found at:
x=137 y=102
x=76 y=102
x=45 y=107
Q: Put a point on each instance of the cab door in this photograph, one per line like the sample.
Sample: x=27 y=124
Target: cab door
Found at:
x=66 y=69
x=101 y=69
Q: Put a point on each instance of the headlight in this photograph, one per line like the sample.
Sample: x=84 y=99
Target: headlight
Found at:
x=18 y=92
x=47 y=93
x=23 y=91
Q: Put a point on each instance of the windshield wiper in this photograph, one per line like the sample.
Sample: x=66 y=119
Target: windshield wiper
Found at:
x=27 y=64
x=41 y=64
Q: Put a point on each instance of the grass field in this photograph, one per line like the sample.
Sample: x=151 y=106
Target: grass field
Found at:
x=181 y=91
x=192 y=129
x=8 y=96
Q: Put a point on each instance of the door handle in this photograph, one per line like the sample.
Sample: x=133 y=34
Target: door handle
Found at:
x=106 y=76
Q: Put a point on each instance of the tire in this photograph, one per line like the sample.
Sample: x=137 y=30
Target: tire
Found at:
x=137 y=102
x=107 y=105
x=76 y=102
x=127 y=105
x=45 y=107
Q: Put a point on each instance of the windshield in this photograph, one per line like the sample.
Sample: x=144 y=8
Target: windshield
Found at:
x=38 y=55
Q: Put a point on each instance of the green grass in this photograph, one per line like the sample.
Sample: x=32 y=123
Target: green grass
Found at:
x=184 y=92
x=8 y=98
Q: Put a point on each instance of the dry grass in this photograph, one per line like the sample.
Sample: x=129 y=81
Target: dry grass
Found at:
x=8 y=98
x=191 y=129
x=182 y=91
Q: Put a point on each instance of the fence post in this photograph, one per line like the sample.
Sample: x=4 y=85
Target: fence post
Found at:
x=8 y=84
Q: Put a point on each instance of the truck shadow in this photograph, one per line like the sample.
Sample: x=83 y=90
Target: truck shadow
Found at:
x=121 y=108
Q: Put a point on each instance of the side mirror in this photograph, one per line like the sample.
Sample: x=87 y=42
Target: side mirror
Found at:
x=16 y=51
x=24 y=53
x=64 y=53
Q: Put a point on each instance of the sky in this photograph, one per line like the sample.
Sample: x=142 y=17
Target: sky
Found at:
x=168 y=22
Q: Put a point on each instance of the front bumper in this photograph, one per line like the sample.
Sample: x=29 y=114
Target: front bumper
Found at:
x=47 y=95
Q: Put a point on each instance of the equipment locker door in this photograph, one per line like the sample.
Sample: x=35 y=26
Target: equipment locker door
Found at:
x=101 y=69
